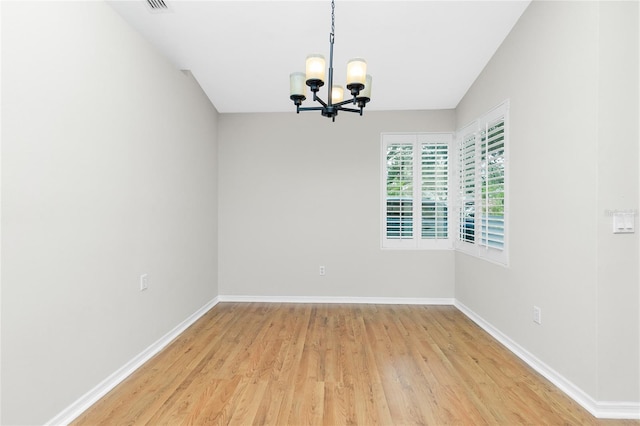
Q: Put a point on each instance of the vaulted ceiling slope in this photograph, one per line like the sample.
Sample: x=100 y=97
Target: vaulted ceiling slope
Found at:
x=421 y=54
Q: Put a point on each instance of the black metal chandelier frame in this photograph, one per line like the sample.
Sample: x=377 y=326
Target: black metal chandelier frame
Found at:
x=330 y=109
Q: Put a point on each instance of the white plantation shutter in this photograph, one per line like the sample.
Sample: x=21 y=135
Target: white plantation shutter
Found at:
x=415 y=191
x=435 y=190
x=492 y=185
x=399 y=191
x=466 y=189
x=482 y=186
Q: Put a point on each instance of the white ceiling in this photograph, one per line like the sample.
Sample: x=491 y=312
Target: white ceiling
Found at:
x=421 y=54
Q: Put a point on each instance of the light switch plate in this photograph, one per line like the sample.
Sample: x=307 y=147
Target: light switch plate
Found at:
x=623 y=223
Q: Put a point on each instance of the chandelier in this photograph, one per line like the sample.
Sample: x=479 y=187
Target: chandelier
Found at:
x=358 y=82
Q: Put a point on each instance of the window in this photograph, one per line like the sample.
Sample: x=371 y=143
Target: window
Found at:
x=415 y=190
x=482 y=180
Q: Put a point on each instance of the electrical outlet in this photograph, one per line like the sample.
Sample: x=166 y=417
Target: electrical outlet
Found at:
x=144 y=282
x=537 y=315
x=322 y=271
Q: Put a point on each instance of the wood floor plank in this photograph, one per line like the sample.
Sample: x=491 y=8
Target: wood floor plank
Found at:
x=275 y=404
x=294 y=364
x=308 y=410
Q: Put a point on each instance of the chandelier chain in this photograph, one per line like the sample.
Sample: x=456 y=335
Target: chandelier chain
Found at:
x=333 y=21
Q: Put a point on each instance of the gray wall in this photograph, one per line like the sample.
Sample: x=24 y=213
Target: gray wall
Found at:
x=570 y=70
x=618 y=168
x=115 y=164
x=108 y=172
x=298 y=191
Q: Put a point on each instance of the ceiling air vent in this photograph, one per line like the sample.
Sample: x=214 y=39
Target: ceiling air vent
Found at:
x=158 y=5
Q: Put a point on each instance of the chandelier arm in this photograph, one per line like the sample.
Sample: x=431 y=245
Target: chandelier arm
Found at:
x=345 y=102
x=318 y=99
x=310 y=108
x=349 y=109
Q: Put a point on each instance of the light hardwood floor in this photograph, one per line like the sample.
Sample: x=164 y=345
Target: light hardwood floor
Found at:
x=295 y=364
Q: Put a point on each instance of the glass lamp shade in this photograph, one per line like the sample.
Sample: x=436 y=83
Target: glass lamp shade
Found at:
x=296 y=83
x=337 y=94
x=366 y=92
x=315 y=67
x=356 y=71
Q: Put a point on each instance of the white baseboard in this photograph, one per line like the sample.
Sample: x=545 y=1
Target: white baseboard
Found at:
x=87 y=400
x=345 y=300
x=599 y=409
x=617 y=410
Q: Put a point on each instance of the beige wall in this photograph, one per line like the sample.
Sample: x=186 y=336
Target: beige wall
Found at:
x=570 y=71
x=108 y=172
x=298 y=191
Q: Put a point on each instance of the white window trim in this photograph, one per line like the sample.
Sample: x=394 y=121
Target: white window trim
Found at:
x=475 y=249
x=416 y=242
